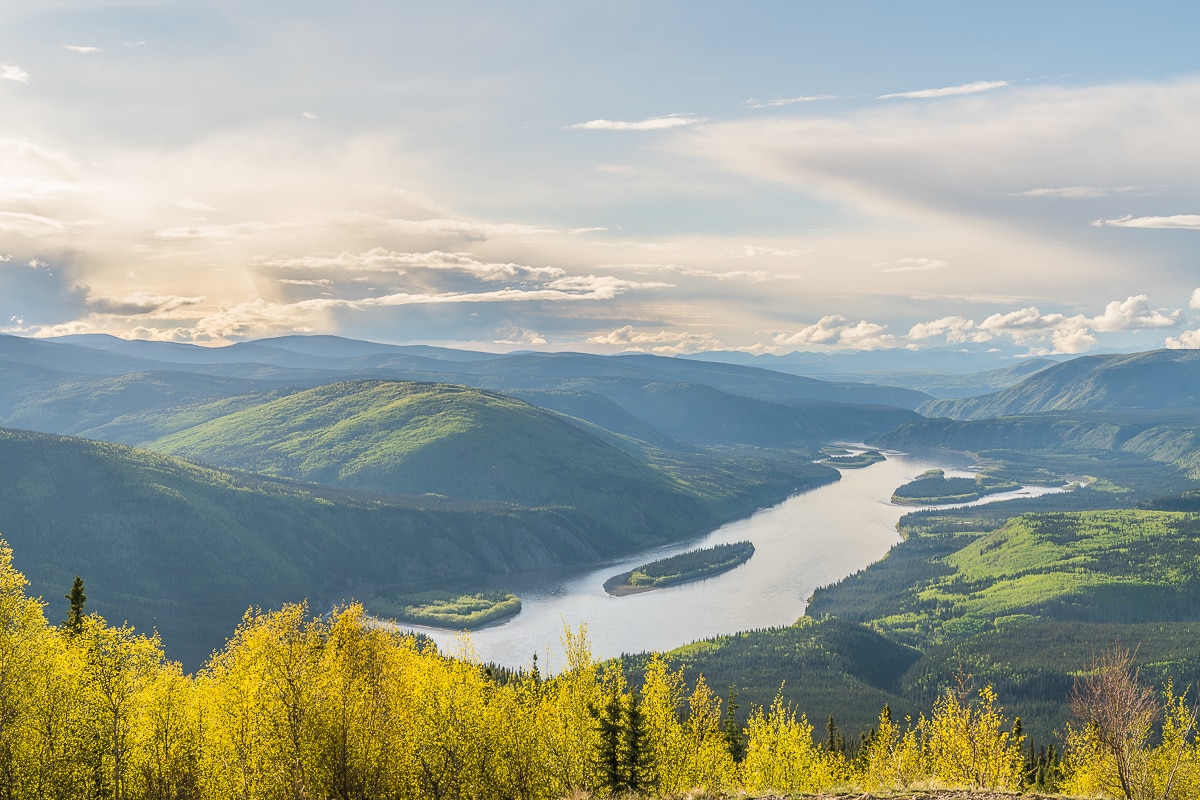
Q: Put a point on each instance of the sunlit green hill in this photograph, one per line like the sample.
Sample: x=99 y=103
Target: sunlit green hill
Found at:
x=452 y=441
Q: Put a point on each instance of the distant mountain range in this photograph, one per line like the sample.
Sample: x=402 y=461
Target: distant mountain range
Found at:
x=1154 y=380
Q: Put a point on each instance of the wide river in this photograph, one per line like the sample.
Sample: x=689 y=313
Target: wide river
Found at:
x=810 y=540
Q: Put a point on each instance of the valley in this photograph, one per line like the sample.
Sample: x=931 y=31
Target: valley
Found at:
x=498 y=493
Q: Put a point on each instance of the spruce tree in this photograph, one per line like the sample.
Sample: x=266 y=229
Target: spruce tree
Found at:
x=73 y=624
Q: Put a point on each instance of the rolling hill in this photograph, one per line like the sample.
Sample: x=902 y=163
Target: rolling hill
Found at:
x=169 y=544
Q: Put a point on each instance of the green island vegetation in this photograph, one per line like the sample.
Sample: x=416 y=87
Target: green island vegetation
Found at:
x=447 y=610
x=693 y=565
x=848 y=460
x=933 y=488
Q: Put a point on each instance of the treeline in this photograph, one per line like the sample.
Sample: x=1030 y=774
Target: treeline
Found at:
x=296 y=706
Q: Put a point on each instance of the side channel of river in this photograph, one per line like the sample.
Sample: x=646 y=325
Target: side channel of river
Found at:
x=807 y=541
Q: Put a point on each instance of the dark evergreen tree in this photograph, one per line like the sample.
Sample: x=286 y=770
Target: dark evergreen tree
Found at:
x=639 y=765
x=73 y=624
x=735 y=737
x=834 y=741
x=609 y=723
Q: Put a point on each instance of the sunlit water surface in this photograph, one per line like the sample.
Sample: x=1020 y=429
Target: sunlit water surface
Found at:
x=810 y=540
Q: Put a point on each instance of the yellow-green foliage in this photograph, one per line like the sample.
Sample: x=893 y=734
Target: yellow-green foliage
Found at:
x=335 y=706
x=781 y=755
x=966 y=745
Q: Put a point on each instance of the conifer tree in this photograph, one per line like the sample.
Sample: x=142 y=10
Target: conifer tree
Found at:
x=73 y=624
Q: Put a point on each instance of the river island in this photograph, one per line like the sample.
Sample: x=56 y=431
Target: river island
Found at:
x=686 y=567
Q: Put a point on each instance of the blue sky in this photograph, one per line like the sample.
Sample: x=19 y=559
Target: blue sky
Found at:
x=669 y=177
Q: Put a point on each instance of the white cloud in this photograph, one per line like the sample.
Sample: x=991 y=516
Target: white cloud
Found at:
x=1188 y=340
x=322 y=282
x=651 y=124
x=512 y=335
x=787 y=101
x=835 y=329
x=79 y=48
x=913 y=265
x=1060 y=332
x=11 y=72
x=661 y=342
x=739 y=275
x=1195 y=301
x=948 y=91
x=308 y=115
x=956 y=329
x=1133 y=313
x=1185 y=222
x=379 y=259
x=1077 y=192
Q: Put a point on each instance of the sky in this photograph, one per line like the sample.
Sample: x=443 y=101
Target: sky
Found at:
x=670 y=177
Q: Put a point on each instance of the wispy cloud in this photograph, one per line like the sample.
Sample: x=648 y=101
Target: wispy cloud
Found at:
x=787 y=101
x=11 y=72
x=141 y=304
x=651 y=124
x=1182 y=222
x=308 y=115
x=30 y=224
x=1077 y=192
x=912 y=265
x=947 y=91
x=82 y=48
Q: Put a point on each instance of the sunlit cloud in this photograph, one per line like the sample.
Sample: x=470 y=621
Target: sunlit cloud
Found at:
x=651 y=124
x=1185 y=222
x=948 y=91
x=79 y=48
x=11 y=72
x=512 y=335
x=660 y=342
x=1188 y=340
x=835 y=329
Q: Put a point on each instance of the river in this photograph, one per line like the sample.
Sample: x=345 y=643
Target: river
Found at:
x=809 y=540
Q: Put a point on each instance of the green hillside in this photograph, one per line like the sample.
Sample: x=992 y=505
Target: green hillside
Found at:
x=165 y=543
x=1153 y=380
x=452 y=441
